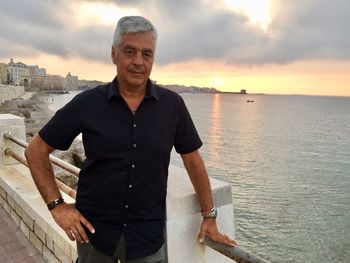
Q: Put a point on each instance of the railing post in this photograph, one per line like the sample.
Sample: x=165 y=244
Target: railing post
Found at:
x=15 y=125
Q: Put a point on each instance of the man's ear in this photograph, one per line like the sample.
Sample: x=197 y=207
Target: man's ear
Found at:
x=113 y=55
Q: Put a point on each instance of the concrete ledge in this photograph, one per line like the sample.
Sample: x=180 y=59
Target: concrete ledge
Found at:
x=21 y=199
x=15 y=125
x=184 y=219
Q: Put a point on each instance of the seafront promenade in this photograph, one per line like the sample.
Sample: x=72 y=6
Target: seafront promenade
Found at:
x=14 y=246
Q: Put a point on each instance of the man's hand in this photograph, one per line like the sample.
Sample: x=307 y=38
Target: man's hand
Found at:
x=71 y=220
x=210 y=229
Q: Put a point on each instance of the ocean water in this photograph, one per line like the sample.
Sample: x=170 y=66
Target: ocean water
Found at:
x=288 y=161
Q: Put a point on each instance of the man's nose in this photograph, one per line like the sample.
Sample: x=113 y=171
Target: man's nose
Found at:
x=138 y=58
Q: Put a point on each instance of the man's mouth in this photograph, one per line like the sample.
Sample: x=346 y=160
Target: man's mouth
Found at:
x=136 y=71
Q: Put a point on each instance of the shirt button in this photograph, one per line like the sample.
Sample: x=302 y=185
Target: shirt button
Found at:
x=126 y=206
x=134 y=145
x=133 y=165
x=124 y=225
x=134 y=125
x=130 y=185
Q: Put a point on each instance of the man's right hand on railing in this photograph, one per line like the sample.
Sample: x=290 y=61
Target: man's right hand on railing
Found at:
x=71 y=221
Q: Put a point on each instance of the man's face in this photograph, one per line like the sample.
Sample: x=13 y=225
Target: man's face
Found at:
x=134 y=58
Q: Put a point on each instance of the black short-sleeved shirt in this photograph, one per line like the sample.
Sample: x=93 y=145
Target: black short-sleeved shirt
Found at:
x=122 y=185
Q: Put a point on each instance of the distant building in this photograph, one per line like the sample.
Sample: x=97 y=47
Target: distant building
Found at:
x=48 y=83
x=71 y=82
x=35 y=70
x=243 y=91
x=15 y=71
x=3 y=73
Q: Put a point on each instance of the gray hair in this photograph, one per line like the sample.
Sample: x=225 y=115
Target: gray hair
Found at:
x=133 y=24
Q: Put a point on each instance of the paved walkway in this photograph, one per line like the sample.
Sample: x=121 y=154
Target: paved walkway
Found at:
x=14 y=246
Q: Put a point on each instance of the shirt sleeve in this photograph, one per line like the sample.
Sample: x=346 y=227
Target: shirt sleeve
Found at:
x=64 y=126
x=187 y=139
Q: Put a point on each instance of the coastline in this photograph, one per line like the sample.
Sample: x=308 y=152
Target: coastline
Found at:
x=33 y=107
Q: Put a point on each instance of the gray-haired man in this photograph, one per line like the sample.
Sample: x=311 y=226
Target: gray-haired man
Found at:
x=129 y=127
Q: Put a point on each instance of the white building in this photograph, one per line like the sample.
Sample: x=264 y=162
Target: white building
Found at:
x=16 y=70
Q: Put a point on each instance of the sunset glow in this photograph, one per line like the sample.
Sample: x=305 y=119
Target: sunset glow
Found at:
x=101 y=13
x=258 y=12
x=263 y=46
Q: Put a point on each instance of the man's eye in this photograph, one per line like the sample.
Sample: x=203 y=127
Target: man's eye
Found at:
x=148 y=55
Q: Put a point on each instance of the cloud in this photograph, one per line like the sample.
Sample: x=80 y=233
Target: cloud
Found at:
x=29 y=27
x=305 y=30
x=198 y=29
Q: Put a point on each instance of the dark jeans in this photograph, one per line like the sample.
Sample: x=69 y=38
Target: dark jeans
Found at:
x=88 y=254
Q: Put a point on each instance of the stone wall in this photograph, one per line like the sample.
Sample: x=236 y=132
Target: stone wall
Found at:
x=48 y=83
x=9 y=92
x=21 y=200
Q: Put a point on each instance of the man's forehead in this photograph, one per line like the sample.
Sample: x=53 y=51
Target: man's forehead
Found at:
x=139 y=38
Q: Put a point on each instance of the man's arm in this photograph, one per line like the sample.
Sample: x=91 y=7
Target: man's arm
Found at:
x=66 y=216
x=196 y=170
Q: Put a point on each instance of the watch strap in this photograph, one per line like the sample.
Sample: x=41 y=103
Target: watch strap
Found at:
x=211 y=214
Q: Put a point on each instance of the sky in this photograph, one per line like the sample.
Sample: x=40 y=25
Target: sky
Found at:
x=263 y=46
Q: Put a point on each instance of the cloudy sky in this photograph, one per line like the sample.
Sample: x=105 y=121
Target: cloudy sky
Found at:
x=269 y=46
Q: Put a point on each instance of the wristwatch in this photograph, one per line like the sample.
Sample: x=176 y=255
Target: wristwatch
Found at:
x=213 y=213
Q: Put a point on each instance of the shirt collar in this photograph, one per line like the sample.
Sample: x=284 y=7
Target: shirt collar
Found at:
x=113 y=90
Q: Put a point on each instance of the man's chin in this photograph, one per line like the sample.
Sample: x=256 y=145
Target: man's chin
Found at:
x=137 y=81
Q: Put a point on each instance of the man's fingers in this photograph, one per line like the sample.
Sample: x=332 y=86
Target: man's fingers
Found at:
x=77 y=235
x=230 y=242
x=224 y=239
x=72 y=221
x=201 y=235
x=87 y=224
x=82 y=234
x=70 y=235
x=79 y=231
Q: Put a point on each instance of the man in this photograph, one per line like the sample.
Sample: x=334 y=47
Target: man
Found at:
x=129 y=128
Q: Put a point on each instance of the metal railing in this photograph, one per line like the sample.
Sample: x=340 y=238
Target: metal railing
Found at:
x=56 y=161
x=237 y=254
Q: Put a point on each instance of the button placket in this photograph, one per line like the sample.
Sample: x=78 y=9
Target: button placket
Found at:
x=132 y=166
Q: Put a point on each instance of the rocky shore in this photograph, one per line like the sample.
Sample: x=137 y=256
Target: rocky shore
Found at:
x=34 y=108
x=30 y=106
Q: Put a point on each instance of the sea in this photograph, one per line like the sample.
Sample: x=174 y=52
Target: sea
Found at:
x=287 y=159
